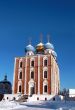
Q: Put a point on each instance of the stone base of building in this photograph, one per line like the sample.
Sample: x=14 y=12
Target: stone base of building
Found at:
x=45 y=97
x=34 y=97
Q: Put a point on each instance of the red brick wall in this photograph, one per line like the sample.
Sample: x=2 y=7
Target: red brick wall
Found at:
x=27 y=75
x=41 y=75
x=16 y=75
x=49 y=74
x=23 y=75
x=36 y=74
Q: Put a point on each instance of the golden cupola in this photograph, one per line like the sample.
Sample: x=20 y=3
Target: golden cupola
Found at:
x=40 y=48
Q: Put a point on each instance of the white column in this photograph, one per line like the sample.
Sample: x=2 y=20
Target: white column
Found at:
x=38 y=74
x=55 y=68
x=55 y=82
x=58 y=79
x=51 y=79
x=25 y=74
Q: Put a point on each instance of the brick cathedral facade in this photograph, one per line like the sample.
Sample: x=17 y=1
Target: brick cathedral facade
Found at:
x=37 y=72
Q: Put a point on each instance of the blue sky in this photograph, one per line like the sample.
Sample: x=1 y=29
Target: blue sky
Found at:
x=22 y=19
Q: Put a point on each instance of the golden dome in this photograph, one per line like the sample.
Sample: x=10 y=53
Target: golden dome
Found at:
x=40 y=48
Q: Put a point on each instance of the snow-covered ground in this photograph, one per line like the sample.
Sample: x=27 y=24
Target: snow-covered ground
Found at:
x=45 y=105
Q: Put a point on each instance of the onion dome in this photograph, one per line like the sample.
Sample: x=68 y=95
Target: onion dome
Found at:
x=54 y=53
x=40 y=48
x=29 y=48
x=5 y=80
x=5 y=86
x=48 y=45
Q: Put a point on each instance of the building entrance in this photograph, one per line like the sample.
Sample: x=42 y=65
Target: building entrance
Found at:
x=32 y=90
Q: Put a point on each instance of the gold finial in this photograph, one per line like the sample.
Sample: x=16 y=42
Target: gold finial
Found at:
x=41 y=36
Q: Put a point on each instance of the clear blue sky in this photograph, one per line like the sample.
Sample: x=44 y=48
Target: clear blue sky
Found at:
x=21 y=19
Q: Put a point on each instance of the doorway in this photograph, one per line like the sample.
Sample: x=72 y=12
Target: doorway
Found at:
x=32 y=90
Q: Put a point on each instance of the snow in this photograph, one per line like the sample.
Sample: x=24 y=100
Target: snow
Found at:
x=37 y=105
x=10 y=105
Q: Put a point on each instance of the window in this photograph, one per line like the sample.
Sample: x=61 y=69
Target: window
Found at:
x=37 y=98
x=20 y=75
x=20 y=88
x=45 y=74
x=21 y=64
x=32 y=75
x=28 y=53
x=45 y=98
x=32 y=63
x=7 y=98
x=45 y=88
x=45 y=62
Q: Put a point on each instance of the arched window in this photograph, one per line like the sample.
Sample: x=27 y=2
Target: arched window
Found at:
x=45 y=62
x=45 y=74
x=32 y=63
x=20 y=88
x=45 y=88
x=20 y=75
x=21 y=64
x=32 y=75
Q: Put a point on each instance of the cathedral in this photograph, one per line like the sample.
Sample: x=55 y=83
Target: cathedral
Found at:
x=37 y=72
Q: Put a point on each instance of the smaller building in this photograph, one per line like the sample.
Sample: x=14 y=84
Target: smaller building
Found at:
x=5 y=86
x=71 y=92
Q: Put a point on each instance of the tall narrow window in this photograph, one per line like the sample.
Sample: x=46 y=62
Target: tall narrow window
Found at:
x=21 y=64
x=32 y=63
x=20 y=88
x=32 y=75
x=45 y=88
x=45 y=74
x=20 y=76
x=45 y=62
